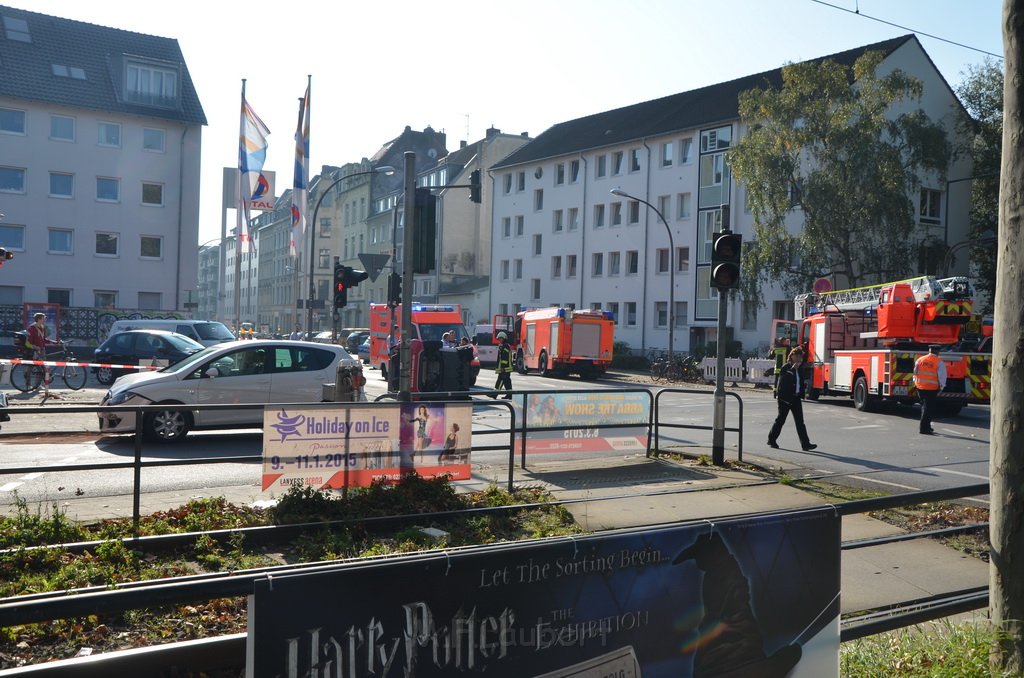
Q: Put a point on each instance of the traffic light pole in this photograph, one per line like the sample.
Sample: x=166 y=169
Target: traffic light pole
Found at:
x=409 y=211
x=718 y=425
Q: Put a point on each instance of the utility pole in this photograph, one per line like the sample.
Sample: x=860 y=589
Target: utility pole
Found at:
x=409 y=212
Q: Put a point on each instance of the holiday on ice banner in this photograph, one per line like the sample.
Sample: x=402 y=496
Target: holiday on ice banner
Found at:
x=591 y=419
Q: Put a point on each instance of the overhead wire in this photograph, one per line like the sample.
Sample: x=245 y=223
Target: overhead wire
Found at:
x=907 y=28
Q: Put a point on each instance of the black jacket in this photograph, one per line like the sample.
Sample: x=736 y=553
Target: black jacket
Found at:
x=785 y=385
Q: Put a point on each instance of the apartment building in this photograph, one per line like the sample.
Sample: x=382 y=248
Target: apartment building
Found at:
x=99 y=176
x=562 y=238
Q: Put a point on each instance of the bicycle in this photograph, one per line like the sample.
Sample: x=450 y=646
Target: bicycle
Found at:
x=27 y=378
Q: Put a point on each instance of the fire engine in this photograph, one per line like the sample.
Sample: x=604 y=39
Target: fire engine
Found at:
x=429 y=323
x=862 y=343
x=560 y=341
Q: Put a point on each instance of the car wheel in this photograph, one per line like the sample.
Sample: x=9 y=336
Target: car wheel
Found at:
x=520 y=363
x=167 y=426
x=862 y=399
x=105 y=375
x=542 y=364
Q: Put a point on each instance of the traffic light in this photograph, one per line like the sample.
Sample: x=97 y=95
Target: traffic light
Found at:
x=725 y=260
x=424 y=235
x=474 y=186
x=394 y=290
x=5 y=255
x=340 y=286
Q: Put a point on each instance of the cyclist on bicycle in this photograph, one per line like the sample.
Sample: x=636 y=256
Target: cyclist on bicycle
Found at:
x=38 y=342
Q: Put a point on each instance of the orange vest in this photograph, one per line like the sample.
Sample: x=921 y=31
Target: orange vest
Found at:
x=926 y=373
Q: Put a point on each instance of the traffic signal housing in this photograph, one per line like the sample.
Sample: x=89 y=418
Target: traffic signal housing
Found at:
x=474 y=186
x=725 y=260
x=424 y=235
x=340 y=286
x=394 y=290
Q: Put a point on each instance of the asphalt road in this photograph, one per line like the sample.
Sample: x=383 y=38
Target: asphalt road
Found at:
x=880 y=450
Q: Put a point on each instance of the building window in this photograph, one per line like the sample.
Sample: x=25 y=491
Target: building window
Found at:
x=559 y=174
x=149 y=301
x=520 y=182
x=324 y=258
x=12 y=237
x=617 y=157
x=684 y=204
x=664 y=202
x=151 y=85
x=109 y=134
x=616 y=214
x=538 y=199
x=682 y=259
x=661 y=314
x=597 y=264
x=503 y=309
x=108 y=189
x=661 y=257
x=598 y=216
x=62 y=185
x=535 y=289
x=930 y=208
x=60 y=297
x=62 y=128
x=151 y=247
x=570 y=266
x=106 y=244
x=152 y=194
x=504 y=269
x=574 y=171
x=12 y=180
x=12 y=121
x=153 y=140
x=601 y=167
x=556 y=267
x=574 y=218
x=517 y=269
x=60 y=241
x=748 y=320
x=634 y=160
x=507 y=184
x=667 y=154
x=613 y=308
x=104 y=299
x=520 y=225
x=557 y=226
x=614 y=263
x=634 y=211
x=506 y=227
x=682 y=314
x=686 y=151
x=631 y=314
x=632 y=262
x=325 y=227
x=536 y=244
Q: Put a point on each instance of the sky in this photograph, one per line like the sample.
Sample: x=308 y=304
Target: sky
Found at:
x=462 y=66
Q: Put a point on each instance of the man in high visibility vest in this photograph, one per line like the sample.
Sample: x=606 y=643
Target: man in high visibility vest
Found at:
x=929 y=379
x=504 y=366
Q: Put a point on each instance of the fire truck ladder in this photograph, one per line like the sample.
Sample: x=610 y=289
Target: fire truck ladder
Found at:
x=924 y=287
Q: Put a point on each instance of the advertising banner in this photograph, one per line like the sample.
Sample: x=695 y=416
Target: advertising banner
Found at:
x=588 y=415
x=751 y=597
x=334 y=446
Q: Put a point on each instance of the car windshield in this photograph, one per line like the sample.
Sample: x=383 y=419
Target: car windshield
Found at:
x=434 y=332
x=213 y=331
x=183 y=343
x=190 y=362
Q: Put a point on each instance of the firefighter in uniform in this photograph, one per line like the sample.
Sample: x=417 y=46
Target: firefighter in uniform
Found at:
x=929 y=379
x=789 y=393
x=504 y=366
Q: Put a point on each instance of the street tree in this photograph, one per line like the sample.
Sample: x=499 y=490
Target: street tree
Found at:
x=837 y=153
x=982 y=95
x=1006 y=456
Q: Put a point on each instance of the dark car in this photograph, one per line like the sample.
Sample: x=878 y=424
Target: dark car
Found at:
x=355 y=339
x=364 y=351
x=128 y=348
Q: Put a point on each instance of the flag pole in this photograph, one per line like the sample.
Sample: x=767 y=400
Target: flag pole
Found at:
x=239 y=216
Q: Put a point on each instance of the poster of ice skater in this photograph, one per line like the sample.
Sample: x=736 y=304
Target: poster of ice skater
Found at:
x=589 y=420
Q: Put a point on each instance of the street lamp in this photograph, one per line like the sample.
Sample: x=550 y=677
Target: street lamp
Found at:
x=671 y=269
x=386 y=170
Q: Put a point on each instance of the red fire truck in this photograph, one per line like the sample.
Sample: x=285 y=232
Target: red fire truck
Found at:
x=560 y=341
x=862 y=343
x=429 y=322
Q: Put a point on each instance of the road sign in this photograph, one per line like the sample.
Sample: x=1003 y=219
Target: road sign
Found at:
x=373 y=263
x=822 y=285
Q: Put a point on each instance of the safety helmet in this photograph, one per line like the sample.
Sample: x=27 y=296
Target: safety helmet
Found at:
x=502 y=335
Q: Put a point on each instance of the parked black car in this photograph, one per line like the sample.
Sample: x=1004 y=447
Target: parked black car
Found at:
x=127 y=348
x=355 y=339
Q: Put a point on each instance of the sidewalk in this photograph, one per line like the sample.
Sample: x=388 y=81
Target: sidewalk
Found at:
x=871 y=576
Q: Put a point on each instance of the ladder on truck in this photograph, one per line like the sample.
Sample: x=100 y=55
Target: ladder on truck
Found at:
x=924 y=287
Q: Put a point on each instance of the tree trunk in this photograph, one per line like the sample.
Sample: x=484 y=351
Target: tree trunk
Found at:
x=1006 y=533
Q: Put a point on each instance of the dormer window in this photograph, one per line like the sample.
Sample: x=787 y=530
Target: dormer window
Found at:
x=151 y=85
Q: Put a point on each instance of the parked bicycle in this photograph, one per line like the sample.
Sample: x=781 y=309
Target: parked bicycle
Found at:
x=680 y=368
x=27 y=378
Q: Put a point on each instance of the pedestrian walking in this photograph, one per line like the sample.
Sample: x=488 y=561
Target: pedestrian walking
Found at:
x=504 y=367
x=789 y=392
x=929 y=379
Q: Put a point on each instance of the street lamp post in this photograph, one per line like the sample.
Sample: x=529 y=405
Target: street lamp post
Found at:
x=671 y=269
x=386 y=170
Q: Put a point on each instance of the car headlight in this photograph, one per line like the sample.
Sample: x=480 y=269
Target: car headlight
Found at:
x=122 y=397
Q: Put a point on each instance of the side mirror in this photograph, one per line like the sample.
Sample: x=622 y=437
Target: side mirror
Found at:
x=212 y=372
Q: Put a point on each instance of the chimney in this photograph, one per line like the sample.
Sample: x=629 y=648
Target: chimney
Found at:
x=492 y=131
x=462 y=143
x=525 y=135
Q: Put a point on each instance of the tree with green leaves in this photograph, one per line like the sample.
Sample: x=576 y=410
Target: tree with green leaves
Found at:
x=829 y=147
x=982 y=95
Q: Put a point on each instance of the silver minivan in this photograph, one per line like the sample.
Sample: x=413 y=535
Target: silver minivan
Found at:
x=206 y=332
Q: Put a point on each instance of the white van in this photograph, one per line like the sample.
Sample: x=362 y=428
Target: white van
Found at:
x=485 y=346
x=206 y=332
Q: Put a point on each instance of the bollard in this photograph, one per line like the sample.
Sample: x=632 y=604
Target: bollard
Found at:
x=348 y=384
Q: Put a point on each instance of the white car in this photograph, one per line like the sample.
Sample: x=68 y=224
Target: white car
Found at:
x=237 y=372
